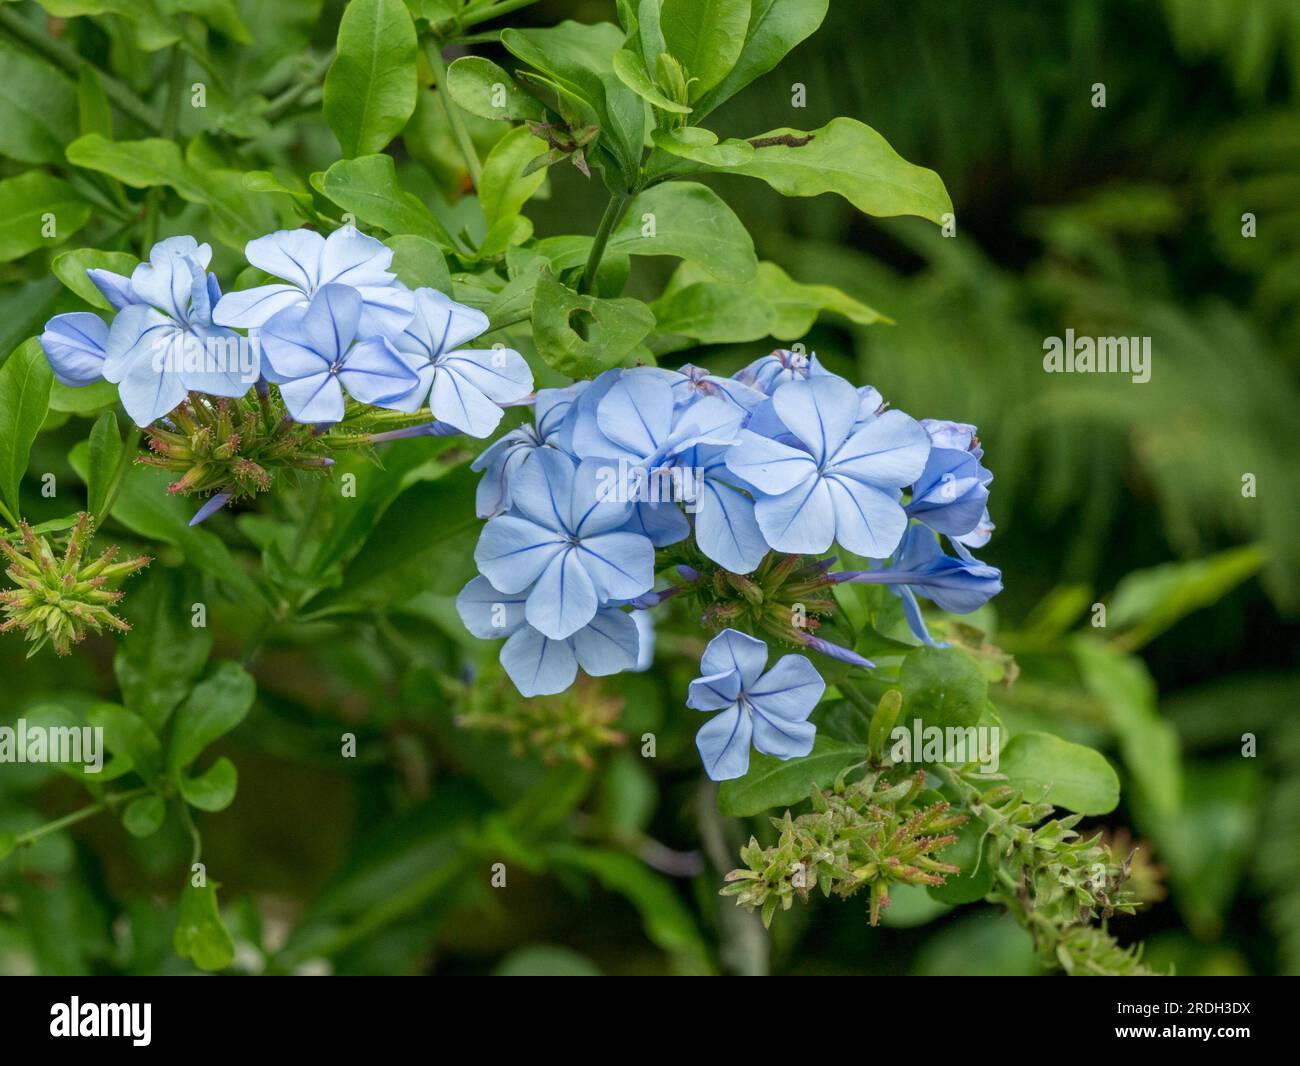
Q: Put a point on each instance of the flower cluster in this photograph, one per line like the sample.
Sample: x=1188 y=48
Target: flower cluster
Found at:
x=728 y=485
x=339 y=325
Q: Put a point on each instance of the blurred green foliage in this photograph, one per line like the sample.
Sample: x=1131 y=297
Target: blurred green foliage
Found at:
x=1122 y=220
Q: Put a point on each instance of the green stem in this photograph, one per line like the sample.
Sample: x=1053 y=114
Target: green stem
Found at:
x=7 y=515
x=495 y=11
x=454 y=116
x=613 y=213
x=278 y=107
x=66 y=57
x=119 y=475
x=89 y=811
x=171 y=118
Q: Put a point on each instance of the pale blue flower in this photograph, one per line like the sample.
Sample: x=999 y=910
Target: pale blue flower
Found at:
x=164 y=344
x=842 y=483
x=538 y=665
x=307 y=262
x=309 y=352
x=769 y=709
x=464 y=388
x=769 y=373
x=692 y=382
x=565 y=545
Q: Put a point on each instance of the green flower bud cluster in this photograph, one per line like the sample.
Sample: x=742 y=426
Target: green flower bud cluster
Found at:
x=570 y=727
x=59 y=595
x=868 y=834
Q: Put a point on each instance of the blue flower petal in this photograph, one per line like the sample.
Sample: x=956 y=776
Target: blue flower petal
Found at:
x=723 y=743
x=622 y=565
x=733 y=650
x=788 y=692
x=713 y=692
x=564 y=598
x=513 y=552
x=820 y=411
x=726 y=529
x=868 y=521
x=537 y=665
x=489 y=613
x=74 y=344
x=609 y=644
x=801 y=520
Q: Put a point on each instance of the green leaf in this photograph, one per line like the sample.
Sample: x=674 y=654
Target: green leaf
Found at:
x=214 y=789
x=847 y=157
x=200 y=936
x=25 y=380
x=157 y=661
x=545 y=960
x=668 y=921
x=103 y=460
x=715 y=312
x=579 y=59
x=706 y=36
x=38 y=108
x=612 y=329
x=371 y=86
x=145 y=507
x=8 y=841
x=702 y=146
x=477 y=85
x=1148 y=602
x=690 y=221
x=144 y=815
x=38 y=210
x=128 y=734
x=942 y=687
x=70 y=268
x=1067 y=775
x=775 y=27
x=213 y=708
x=94 y=115
x=631 y=71
x=419 y=263
x=773 y=782
x=505 y=188
x=368 y=188
x=196 y=177
x=82 y=399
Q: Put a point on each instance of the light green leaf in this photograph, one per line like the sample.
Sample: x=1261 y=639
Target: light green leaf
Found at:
x=505 y=188
x=144 y=815
x=702 y=146
x=775 y=27
x=419 y=263
x=127 y=734
x=94 y=115
x=38 y=108
x=847 y=157
x=482 y=88
x=199 y=935
x=70 y=268
x=157 y=662
x=102 y=462
x=368 y=188
x=631 y=71
x=705 y=36
x=612 y=329
x=371 y=86
x=942 y=687
x=579 y=59
x=772 y=782
x=196 y=177
x=690 y=221
x=214 y=789
x=38 y=210
x=213 y=708
x=1067 y=775
x=25 y=380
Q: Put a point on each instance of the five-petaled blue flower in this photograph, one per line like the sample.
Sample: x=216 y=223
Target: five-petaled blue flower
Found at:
x=565 y=545
x=464 y=388
x=770 y=709
x=308 y=262
x=843 y=480
x=163 y=344
x=309 y=352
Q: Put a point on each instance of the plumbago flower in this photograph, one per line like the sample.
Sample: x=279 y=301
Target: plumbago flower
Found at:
x=342 y=355
x=163 y=343
x=732 y=488
x=768 y=708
